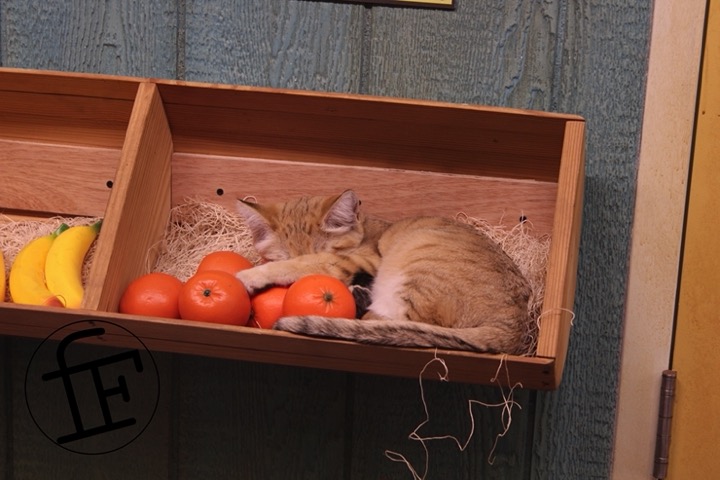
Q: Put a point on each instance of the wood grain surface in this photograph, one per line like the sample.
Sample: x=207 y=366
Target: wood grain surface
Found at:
x=30 y=179
x=296 y=44
x=113 y=37
x=586 y=57
x=388 y=193
x=607 y=58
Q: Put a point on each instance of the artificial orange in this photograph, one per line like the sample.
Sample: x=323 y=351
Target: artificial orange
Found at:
x=154 y=294
x=267 y=307
x=224 y=260
x=319 y=295
x=214 y=296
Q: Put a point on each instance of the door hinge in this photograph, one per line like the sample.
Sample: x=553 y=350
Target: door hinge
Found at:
x=662 y=442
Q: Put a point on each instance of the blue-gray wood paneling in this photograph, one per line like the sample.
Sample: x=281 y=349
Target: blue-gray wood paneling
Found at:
x=610 y=47
x=386 y=412
x=115 y=37
x=244 y=420
x=296 y=44
x=496 y=52
x=225 y=419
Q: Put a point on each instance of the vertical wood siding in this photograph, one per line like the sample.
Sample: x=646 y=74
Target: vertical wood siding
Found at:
x=117 y=37
x=295 y=44
x=223 y=419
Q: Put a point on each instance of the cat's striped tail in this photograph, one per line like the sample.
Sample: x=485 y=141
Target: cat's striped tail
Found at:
x=402 y=333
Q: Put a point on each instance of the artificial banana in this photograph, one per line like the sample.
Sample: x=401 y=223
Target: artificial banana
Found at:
x=64 y=263
x=27 y=273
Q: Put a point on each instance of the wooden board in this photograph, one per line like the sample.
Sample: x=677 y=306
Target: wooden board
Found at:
x=388 y=193
x=305 y=45
x=233 y=417
x=364 y=131
x=133 y=39
x=557 y=312
x=65 y=109
x=243 y=343
x=46 y=178
x=139 y=207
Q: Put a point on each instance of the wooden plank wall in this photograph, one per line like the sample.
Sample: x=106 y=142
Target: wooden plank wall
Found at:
x=221 y=419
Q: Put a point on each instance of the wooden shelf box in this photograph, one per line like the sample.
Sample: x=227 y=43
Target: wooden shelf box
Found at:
x=128 y=149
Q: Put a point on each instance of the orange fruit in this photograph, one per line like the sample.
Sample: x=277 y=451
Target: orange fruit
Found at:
x=319 y=295
x=267 y=307
x=154 y=294
x=224 y=260
x=214 y=296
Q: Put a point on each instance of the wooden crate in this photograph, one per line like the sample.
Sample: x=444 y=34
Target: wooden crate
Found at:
x=128 y=149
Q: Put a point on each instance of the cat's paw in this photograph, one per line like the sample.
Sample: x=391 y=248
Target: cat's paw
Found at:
x=363 y=299
x=254 y=279
x=267 y=275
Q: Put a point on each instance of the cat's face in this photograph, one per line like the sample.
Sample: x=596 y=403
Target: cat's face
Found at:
x=305 y=225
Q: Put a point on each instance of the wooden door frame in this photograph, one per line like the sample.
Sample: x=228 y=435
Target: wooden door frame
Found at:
x=665 y=150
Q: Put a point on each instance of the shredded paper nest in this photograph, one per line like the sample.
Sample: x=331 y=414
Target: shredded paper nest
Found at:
x=196 y=228
x=530 y=254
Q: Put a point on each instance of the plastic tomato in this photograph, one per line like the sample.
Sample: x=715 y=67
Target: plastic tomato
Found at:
x=155 y=294
x=214 y=296
x=224 y=260
x=267 y=307
x=319 y=295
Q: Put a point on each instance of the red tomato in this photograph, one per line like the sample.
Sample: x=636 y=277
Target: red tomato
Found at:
x=267 y=307
x=214 y=296
x=319 y=295
x=155 y=294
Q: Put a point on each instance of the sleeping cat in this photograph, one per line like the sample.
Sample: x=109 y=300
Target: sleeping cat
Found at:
x=434 y=282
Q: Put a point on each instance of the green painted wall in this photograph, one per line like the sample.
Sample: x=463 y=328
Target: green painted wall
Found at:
x=222 y=419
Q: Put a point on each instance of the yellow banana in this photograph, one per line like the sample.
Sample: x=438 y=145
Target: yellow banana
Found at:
x=64 y=263
x=27 y=273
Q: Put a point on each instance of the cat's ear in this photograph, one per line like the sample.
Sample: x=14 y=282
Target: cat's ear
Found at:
x=342 y=216
x=259 y=227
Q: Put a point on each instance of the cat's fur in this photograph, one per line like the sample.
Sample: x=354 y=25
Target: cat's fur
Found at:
x=435 y=282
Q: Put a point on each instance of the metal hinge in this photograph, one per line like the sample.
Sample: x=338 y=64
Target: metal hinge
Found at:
x=662 y=442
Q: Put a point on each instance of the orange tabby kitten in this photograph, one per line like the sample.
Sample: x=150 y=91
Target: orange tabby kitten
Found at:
x=434 y=282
